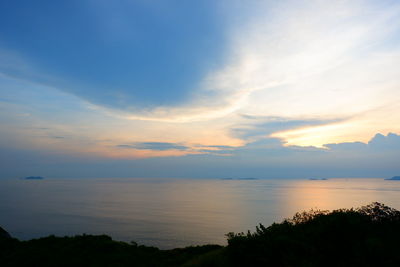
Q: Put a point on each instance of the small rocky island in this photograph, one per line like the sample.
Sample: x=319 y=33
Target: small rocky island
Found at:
x=244 y=178
x=394 y=178
x=33 y=178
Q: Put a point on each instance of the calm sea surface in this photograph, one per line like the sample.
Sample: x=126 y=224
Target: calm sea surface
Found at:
x=170 y=213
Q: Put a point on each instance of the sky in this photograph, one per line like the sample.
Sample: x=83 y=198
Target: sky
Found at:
x=200 y=89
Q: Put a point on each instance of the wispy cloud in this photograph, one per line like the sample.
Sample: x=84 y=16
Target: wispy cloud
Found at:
x=155 y=146
x=305 y=59
x=261 y=127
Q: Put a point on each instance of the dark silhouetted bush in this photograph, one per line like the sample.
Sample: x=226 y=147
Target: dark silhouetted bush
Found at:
x=367 y=236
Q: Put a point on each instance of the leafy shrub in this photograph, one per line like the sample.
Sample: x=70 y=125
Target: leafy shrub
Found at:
x=366 y=236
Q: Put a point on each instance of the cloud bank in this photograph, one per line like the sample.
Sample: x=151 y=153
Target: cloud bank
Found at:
x=266 y=158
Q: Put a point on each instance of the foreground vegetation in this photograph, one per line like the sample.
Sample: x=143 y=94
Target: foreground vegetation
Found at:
x=366 y=236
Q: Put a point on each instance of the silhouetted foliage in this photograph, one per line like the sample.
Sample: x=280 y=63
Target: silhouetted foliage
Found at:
x=366 y=236
x=4 y=234
x=90 y=250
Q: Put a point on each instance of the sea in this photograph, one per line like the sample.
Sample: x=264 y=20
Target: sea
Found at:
x=171 y=213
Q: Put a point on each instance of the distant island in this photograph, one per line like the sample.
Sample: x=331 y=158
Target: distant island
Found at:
x=394 y=178
x=33 y=178
x=245 y=178
x=316 y=179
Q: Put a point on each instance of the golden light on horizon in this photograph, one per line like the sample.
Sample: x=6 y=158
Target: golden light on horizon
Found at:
x=316 y=136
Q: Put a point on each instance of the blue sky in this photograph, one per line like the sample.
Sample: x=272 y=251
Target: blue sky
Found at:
x=199 y=88
x=144 y=52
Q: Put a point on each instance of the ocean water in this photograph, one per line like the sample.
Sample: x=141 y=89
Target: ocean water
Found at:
x=170 y=213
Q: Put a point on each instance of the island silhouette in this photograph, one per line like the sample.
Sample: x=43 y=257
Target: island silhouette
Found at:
x=33 y=178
